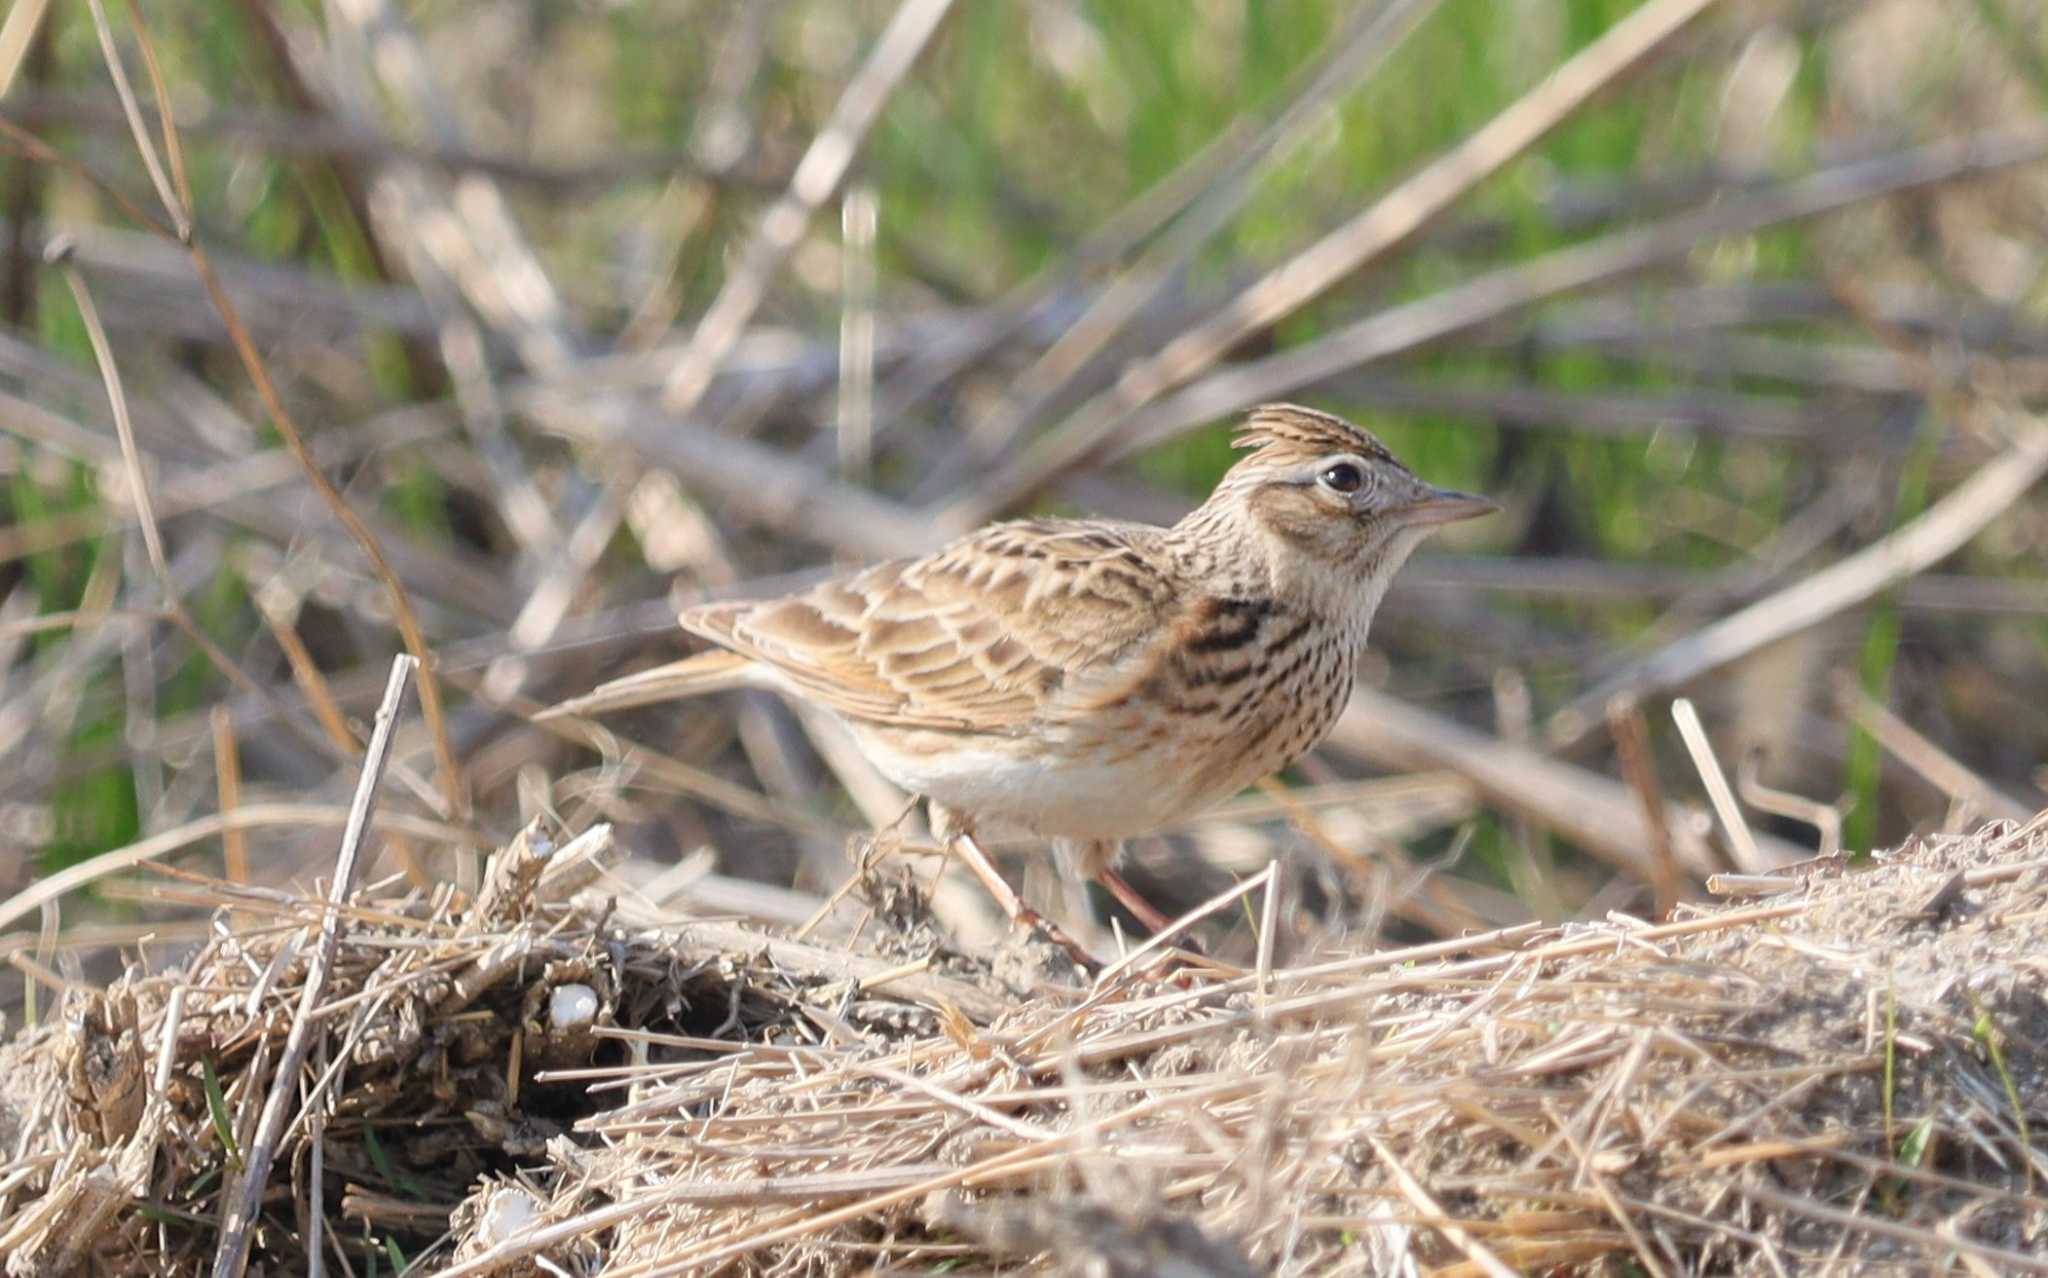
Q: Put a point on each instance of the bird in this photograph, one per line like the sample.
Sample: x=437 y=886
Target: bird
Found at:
x=1087 y=681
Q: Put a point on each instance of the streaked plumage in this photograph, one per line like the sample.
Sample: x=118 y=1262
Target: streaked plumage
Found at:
x=1089 y=680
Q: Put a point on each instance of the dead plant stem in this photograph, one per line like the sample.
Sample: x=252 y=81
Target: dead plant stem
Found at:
x=247 y=1200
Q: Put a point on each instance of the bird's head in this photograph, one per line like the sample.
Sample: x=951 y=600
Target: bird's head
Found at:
x=1334 y=513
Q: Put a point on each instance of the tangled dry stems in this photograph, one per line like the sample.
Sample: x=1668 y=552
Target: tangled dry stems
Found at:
x=1844 y=1073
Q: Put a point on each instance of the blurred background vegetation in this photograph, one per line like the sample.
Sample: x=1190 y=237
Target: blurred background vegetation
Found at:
x=473 y=243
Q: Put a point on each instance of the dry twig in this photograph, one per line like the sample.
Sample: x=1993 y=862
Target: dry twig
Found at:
x=240 y=1218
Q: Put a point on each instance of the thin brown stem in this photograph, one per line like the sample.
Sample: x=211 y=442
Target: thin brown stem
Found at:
x=431 y=708
x=140 y=492
x=28 y=144
x=227 y=772
x=1639 y=767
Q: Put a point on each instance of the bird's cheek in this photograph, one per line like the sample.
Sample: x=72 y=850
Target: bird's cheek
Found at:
x=1367 y=533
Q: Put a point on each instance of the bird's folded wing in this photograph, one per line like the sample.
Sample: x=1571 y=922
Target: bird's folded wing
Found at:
x=998 y=632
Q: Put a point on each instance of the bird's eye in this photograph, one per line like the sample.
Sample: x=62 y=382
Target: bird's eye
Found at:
x=1343 y=477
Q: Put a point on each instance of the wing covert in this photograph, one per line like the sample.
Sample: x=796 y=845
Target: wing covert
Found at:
x=994 y=633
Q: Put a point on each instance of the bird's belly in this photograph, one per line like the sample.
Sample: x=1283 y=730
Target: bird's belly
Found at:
x=1134 y=766
x=1104 y=792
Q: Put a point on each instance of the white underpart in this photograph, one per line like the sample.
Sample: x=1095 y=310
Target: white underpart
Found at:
x=1064 y=798
x=1051 y=793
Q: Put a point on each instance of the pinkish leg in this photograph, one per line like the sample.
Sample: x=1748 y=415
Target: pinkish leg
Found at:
x=1013 y=905
x=1127 y=896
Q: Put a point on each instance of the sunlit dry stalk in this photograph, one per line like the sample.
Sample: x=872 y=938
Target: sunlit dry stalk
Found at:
x=250 y=816
x=1934 y=764
x=179 y=209
x=1942 y=529
x=307 y=674
x=818 y=175
x=227 y=771
x=1639 y=766
x=18 y=33
x=1825 y=818
x=1412 y=1189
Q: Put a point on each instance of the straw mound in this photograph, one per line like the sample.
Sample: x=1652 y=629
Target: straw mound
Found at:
x=1846 y=1074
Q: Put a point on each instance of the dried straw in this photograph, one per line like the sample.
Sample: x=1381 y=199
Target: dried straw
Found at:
x=562 y=1091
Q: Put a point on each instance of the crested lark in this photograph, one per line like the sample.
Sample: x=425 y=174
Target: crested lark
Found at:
x=1089 y=680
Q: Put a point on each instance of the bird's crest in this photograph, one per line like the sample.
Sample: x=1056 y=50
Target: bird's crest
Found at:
x=1292 y=428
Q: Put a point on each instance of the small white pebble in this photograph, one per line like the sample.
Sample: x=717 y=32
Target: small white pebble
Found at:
x=572 y=1006
x=510 y=1211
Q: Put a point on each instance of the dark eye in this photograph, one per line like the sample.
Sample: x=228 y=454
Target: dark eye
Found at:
x=1344 y=477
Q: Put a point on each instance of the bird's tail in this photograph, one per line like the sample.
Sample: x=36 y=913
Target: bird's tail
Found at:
x=707 y=672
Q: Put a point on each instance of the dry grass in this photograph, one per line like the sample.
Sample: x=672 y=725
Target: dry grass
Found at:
x=1844 y=1074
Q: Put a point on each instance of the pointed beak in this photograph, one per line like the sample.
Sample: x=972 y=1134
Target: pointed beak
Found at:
x=1443 y=506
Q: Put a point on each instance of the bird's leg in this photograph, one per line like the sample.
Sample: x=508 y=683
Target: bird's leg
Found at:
x=1147 y=913
x=998 y=887
x=1013 y=905
x=1084 y=859
x=1075 y=863
x=1127 y=896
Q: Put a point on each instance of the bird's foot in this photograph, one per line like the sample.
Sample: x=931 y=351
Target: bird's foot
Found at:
x=1013 y=907
x=1034 y=923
